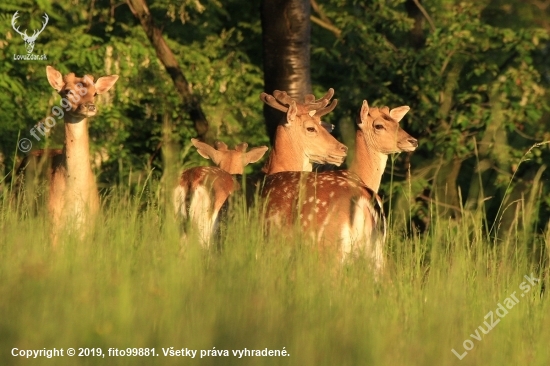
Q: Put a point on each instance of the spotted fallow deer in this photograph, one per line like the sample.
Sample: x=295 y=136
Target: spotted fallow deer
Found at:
x=73 y=199
x=302 y=138
x=203 y=191
x=341 y=210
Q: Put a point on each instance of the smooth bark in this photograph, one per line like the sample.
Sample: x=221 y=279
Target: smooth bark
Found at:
x=286 y=31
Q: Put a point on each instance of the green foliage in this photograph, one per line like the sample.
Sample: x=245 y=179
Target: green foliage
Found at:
x=104 y=39
x=472 y=85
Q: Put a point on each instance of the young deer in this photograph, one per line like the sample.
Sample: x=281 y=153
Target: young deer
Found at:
x=202 y=191
x=378 y=135
x=341 y=209
x=73 y=198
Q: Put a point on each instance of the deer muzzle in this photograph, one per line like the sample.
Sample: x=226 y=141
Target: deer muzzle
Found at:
x=334 y=156
x=409 y=144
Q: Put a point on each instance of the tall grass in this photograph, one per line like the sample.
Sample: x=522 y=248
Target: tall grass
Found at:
x=133 y=284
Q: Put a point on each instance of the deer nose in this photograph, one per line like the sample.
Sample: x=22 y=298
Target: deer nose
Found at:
x=413 y=142
x=90 y=107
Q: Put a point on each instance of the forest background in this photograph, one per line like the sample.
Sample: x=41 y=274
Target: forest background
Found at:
x=475 y=74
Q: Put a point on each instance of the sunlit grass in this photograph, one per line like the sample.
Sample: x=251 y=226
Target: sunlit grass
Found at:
x=133 y=284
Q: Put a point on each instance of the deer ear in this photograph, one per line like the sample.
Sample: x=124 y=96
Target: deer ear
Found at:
x=399 y=112
x=55 y=78
x=291 y=114
x=105 y=83
x=255 y=154
x=205 y=150
x=364 y=112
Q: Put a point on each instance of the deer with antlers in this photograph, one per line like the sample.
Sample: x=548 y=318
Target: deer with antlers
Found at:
x=73 y=199
x=303 y=139
x=29 y=40
x=203 y=191
x=341 y=210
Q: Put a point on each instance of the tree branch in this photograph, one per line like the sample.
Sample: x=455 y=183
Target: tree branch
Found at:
x=318 y=10
x=323 y=20
x=337 y=32
x=425 y=13
x=166 y=56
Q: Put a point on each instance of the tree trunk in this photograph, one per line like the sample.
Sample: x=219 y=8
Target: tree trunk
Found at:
x=286 y=31
x=166 y=56
x=416 y=34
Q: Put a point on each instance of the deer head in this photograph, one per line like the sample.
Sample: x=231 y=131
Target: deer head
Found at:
x=78 y=93
x=378 y=136
x=381 y=131
x=29 y=40
x=304 y=132
x=232 y=161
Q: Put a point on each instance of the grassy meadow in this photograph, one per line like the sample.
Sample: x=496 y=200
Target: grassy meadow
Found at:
x=132 y=284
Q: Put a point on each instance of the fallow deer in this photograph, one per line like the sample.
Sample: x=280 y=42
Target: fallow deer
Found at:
x=203 y=191
x=341 y=209
x=378 y=135
x=303 y=138
x=73 y=199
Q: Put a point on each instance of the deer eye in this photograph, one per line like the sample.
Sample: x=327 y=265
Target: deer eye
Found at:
x=310 y=129
x=379 y=127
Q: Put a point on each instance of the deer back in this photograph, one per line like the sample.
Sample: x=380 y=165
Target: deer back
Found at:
x=335 y=208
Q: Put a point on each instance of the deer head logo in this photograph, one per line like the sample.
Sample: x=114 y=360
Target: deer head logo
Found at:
x=29 y=41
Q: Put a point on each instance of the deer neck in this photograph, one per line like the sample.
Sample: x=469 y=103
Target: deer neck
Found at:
x=286 y=155
x=77 y=153
x=368 y=164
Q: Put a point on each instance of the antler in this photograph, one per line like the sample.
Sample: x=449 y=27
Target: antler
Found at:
x=320 y=105
x=283 y=97
x=13 y=19
x=326 y=110
x=272 y=102
x=281 y=100
x=241 y=147
x=321 y=102
x=221 y=146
